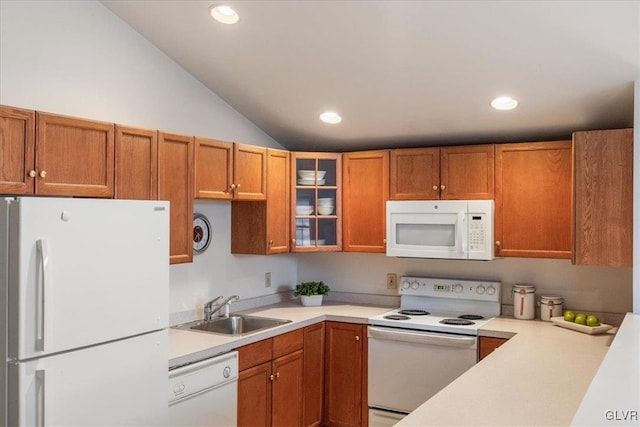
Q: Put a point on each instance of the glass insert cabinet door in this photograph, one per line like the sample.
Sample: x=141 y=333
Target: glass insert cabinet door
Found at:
x=316 y=202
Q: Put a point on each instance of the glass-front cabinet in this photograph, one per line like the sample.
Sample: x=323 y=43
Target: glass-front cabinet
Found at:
x=316 y=204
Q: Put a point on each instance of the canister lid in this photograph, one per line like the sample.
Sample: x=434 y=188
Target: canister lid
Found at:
x=524 y=288
x=556 y=300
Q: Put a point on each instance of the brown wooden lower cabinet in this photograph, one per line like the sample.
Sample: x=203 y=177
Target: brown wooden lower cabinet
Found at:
x=487 y=345
x=270 y=381
x=254 y=396
x=345 y=375
x=313 y=375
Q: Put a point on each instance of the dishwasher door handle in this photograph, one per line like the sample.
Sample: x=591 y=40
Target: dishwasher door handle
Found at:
x=419 y=337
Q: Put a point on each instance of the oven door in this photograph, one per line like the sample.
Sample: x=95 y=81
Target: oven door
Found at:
x=407 y=367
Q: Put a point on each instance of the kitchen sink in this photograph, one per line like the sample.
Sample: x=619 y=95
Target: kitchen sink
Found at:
x=238 y=324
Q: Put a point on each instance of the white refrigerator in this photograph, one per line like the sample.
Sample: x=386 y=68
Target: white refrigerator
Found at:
x=84 y=291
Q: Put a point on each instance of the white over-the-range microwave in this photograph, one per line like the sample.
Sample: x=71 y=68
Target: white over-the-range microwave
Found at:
x=450 y=229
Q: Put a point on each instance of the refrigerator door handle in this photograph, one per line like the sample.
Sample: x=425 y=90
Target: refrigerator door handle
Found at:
x=43 y=280
x=40 y=385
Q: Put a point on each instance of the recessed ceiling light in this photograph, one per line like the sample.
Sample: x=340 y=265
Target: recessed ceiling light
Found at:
x=504 y=103
x=330 y=117
x=223 y=13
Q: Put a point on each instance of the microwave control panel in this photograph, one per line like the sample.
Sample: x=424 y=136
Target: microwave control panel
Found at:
x=477 y=235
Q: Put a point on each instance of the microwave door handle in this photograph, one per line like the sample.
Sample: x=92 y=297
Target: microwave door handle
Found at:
x=462 y=235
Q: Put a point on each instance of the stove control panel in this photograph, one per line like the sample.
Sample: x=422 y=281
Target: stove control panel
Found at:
x=477 y=290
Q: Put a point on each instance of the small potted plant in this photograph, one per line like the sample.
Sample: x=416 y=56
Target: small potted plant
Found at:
x=311 y=292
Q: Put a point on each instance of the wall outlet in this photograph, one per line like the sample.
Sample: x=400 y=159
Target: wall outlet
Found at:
x=267 y=279
x=392 y=281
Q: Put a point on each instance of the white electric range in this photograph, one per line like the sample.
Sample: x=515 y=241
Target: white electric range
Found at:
x=443 y=305
x=419 y=348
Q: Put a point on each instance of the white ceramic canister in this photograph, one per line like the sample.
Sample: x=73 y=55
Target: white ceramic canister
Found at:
x=550 y=307
x=524 y=298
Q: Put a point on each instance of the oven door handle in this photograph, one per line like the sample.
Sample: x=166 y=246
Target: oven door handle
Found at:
x=421 y=337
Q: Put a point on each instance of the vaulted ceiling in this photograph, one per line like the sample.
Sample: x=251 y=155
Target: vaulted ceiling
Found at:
x=406 y=73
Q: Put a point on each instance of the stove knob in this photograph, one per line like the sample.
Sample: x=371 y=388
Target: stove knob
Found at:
x=458 y=288
x=480 y=289
x=491 y=290
x=415 y=284
x=405 y=284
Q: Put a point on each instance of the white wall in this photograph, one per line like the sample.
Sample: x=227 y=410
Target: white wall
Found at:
x=586 y=288
x=77 y=58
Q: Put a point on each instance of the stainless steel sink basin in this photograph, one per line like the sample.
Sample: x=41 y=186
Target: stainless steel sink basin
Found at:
x=233 y=325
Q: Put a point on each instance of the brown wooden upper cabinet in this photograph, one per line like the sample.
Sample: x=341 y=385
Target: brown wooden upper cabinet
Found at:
x=17 y=151
x=316 y=202
x=175 y=176
x=75 y=157
x=365 y=191
x=533 y=217
x=262 y=227
x=603 y=197
x=60 y=156
x=136 y=163
x=447 y=173
x=214 y=169
x=230 y=171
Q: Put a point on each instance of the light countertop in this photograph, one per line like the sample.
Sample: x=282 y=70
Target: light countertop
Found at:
x=614 y=395
x=539 y=377
x=190 y=346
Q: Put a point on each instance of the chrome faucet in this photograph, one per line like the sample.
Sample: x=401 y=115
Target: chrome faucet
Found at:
x=209 y=310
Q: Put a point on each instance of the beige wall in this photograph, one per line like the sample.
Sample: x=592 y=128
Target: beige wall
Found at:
x=585 y=288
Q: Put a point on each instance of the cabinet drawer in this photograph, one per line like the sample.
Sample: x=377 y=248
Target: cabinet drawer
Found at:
x=288 y=343
x=254 y=354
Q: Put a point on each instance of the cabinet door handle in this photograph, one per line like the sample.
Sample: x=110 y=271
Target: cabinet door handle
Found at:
x=232 y=187
x=384 y=241
x=277 y=374
x=237 y=185
x=497 y=242
x=271 y=377
x=32 y=173
x=43 y=174
x=357 y=337
x=435 y=188
x=270 y=242
x=293 y=241
x=442 y=187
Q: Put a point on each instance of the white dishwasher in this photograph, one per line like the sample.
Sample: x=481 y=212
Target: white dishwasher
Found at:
x=205 y=393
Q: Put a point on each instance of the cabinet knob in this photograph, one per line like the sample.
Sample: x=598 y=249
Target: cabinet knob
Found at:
x=237 y=185
x=32 y=173
x=435 y=188
x=293 y=241
x=357 y=337
x=442 y=187
x=271 y=377
x=384 y=241
x=43 y=174
x=277 y=374
x=232 y=187
x=497 y=242
x=270 y=242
